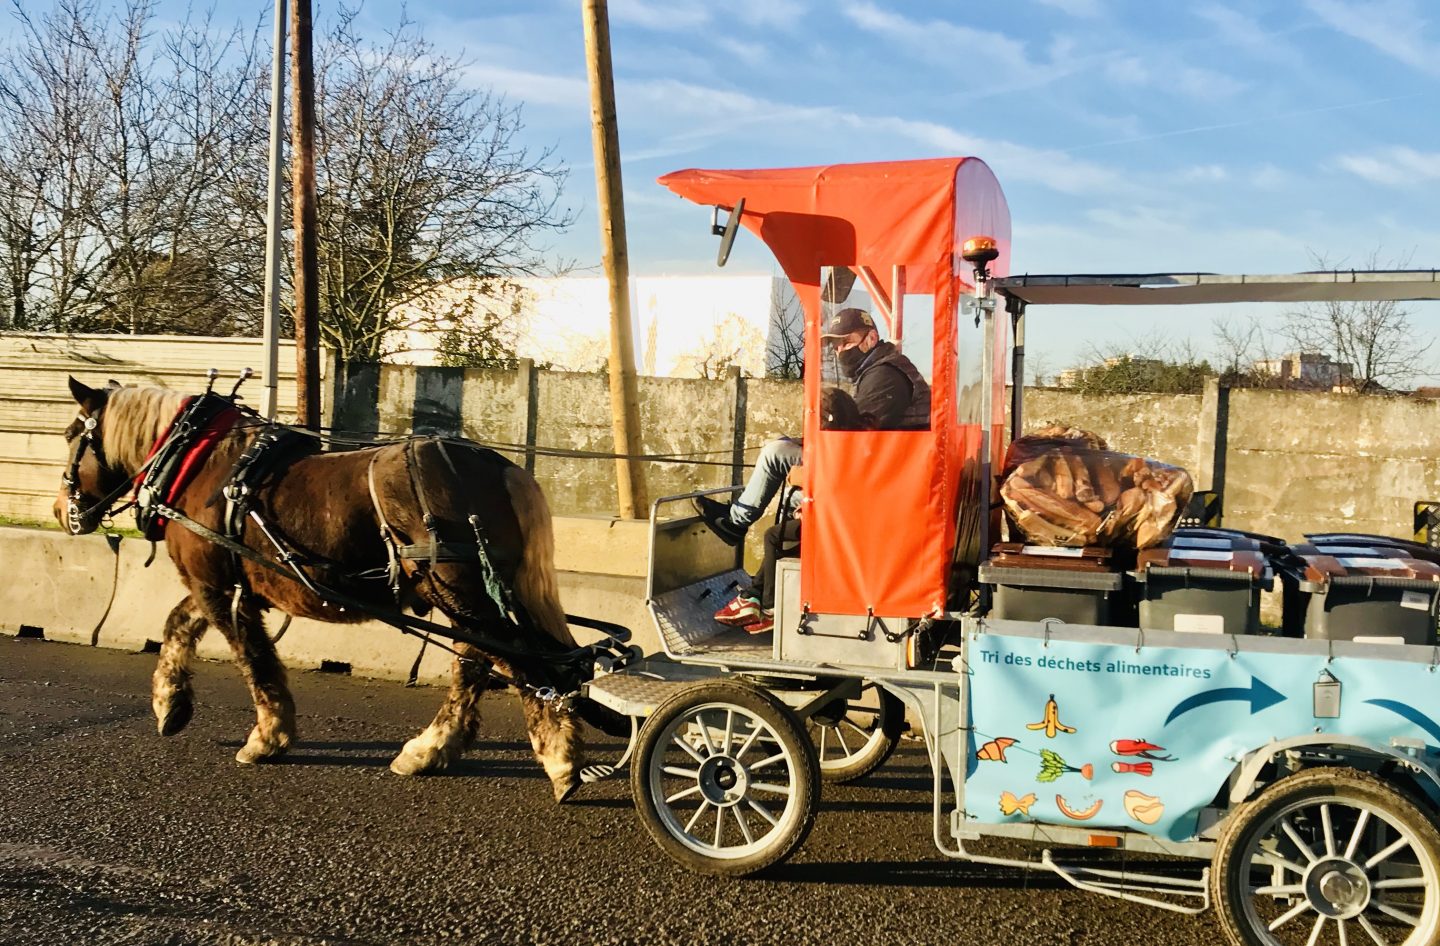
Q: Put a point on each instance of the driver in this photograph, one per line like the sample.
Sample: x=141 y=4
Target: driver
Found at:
x=889 y=394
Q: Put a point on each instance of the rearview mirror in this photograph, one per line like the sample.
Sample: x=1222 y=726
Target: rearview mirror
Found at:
x=728 y=231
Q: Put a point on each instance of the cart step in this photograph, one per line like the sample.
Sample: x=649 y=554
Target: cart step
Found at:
x=596 y=773
x=644 y=685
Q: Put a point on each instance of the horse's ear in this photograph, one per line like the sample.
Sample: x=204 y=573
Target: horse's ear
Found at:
x=80 y=391
x=113 y=385
x=87 y=397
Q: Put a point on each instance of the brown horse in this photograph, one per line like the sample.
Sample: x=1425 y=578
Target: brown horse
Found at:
x=330 y=508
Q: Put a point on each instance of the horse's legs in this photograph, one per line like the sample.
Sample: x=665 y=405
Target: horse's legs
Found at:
x=556 y=740
x=455 y=724
x=264 y=673
x=170 y=693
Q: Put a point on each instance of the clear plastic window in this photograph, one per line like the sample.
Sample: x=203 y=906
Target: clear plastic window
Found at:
x=878 y=351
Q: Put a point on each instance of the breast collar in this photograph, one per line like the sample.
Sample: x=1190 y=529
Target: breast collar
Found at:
x=178 y=455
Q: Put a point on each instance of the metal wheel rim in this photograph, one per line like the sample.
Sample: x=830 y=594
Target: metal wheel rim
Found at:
x=841 y=743
x=1313 y=853
x=686 y=770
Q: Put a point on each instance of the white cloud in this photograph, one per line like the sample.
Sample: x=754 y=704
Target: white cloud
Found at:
x=1394 y=167
x=947 y=42
x=532 y=88
x=1081 y=8
x=1205 y=172
x=1243 y=32
x=1394 y=27
x=679 y=16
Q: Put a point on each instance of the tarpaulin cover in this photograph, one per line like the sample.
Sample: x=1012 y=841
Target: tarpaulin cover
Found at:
x=880 y=528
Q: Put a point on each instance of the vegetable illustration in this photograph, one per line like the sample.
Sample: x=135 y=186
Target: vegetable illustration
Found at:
x=1051 y=721
x=1081 y=815
x=1052 y=766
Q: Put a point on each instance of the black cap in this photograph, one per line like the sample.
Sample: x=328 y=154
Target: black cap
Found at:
x=845 y=321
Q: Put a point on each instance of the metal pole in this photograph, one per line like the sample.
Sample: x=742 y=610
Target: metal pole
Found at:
x=307 y=285
x=272 y=237
x=624 y=398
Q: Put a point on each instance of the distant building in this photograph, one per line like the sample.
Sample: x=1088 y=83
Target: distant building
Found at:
x=682 y=326
x=1308 y=370
x=1070 y=377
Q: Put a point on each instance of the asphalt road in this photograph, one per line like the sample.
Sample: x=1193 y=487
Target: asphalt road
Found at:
x=111 y=834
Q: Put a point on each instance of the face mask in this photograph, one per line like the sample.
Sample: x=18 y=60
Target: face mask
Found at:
x=850 y=360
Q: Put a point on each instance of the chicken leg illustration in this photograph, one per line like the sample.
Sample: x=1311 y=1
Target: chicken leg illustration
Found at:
x=1051 y=722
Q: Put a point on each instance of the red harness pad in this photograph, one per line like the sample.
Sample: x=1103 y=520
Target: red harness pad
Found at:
x=195 y=456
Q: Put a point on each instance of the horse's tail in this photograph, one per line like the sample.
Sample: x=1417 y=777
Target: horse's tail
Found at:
x=536 y=584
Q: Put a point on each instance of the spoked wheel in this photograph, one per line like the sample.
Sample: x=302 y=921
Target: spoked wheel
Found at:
x=1329 y=856
x=724 y=779
x=854 y=737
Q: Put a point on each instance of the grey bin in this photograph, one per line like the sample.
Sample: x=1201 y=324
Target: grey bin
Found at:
x=1214 y=600
x=1038 y=594
x=1362 y=590
x=1363 y=606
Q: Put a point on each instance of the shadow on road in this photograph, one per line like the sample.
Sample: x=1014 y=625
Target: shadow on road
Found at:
x=913 y=874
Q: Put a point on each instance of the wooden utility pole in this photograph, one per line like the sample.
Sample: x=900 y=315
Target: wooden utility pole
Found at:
x=307 y=283
x=624 y=399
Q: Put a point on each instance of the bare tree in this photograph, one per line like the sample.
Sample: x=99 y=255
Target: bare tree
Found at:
x=1150 y=364
x=421 y=181
x=785 y=346
x=1376 y=339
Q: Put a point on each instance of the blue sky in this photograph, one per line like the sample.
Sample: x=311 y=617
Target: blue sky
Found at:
x=1129 y=135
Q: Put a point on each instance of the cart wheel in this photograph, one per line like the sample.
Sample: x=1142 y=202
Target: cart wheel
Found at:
x=1329 y=856
x=724 y=779
x=854 y=737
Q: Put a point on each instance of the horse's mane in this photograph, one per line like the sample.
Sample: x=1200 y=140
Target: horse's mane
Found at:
x=134 y=418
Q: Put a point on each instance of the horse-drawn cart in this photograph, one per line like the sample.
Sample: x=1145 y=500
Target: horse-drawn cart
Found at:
x=1301 y=765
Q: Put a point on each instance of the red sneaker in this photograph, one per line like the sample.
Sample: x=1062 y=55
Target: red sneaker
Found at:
x=764 y=625
x=741 y=610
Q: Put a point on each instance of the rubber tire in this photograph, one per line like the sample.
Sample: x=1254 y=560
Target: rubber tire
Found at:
x=805 y=779
x=892 y=724
x=1338 y=782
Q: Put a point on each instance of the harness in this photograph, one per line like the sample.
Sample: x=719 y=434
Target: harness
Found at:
x=178 y=455
x=182 y=450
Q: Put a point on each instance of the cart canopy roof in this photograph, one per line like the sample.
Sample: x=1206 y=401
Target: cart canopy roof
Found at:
x=1211 y=288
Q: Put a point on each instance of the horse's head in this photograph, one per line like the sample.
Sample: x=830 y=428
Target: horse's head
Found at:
x=90 y=482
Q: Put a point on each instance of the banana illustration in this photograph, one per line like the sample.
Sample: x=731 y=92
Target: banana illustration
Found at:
x=1051 y=723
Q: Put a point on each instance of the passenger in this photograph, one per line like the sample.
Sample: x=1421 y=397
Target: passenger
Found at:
x=754 y=609
x=890 y=394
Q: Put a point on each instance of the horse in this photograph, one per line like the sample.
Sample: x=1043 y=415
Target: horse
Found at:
x=343 y=514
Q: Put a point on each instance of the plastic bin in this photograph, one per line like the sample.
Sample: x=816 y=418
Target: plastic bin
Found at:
x=1367 y=593
x=1038 y=583
x=1202 y=580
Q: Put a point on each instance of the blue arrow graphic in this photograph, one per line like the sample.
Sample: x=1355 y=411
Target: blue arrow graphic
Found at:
x=1406 y=711
x=1260 y=695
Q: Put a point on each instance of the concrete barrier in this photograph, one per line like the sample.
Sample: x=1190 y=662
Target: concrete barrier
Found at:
x=55 y=582
x=93 y=590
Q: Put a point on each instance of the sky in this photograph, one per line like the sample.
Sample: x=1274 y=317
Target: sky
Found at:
x=1129 y=135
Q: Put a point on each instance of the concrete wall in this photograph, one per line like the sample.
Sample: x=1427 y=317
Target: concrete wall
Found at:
x=35 y=401
x=96 y=591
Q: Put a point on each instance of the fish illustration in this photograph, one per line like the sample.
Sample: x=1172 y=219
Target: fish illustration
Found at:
x=994 y=750
x=1141 y=748
x=1133 y=768
x=1009 y=804
x=1050 y=722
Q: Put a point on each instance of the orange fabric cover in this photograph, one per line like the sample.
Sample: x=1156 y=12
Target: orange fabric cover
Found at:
x=879 y=528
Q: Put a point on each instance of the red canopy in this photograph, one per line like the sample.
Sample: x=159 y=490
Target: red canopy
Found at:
x=880 y=528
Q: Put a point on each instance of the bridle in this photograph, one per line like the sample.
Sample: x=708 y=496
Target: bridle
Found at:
x=77 y=515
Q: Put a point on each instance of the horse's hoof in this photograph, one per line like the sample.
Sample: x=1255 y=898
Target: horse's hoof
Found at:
x=565 y=789
x=411 y=763
x=177 y=715
x=261 y=750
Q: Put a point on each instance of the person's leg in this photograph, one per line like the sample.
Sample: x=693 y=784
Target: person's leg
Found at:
x=780 y=541
x=776 y=459
x=730 y=521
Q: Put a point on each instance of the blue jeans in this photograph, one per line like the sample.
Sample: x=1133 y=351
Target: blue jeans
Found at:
x=775 y=460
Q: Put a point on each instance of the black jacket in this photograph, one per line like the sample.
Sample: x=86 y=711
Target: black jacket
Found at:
x=890 y=391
